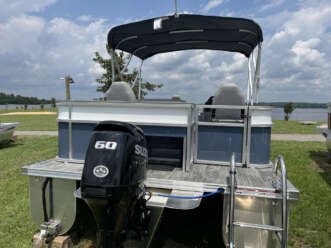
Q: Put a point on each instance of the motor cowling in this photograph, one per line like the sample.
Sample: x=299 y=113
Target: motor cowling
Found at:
x=112 y=181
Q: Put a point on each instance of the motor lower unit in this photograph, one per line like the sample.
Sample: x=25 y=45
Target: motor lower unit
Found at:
x=112 y=183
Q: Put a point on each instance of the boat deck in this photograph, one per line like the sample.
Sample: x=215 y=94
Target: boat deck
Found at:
x=201 y=178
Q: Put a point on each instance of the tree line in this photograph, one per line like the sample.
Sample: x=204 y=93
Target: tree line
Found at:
x=18 y=99
x=295 y=104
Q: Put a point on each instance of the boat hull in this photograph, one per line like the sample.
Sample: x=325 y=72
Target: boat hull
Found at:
x=326 y=131
x=6 y=132
x=329 y=131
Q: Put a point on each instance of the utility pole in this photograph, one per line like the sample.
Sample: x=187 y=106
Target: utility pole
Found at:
x=68 y=80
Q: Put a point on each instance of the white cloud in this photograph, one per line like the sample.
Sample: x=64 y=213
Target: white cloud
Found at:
x=306 y=22
x=21 y=34
x=84 y=18
x=195 y=75
x=236 y=65
x=272 y=4
x=96 y=69
x=211 y=5
x=274 y=21
x=36 y=52
x=10 y=8
x=305 y=54
x=295 y=64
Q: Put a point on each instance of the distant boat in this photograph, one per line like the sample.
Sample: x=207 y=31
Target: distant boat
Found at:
x=7 y=131
x=326 y=130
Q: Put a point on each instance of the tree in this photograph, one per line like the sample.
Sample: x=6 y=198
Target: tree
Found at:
x=288 y=109
x=53 y=102
x=105 y=80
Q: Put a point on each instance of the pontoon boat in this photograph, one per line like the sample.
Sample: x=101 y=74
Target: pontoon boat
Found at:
x=131 y=160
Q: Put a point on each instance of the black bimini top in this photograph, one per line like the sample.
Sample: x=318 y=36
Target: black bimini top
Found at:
x=183 y=32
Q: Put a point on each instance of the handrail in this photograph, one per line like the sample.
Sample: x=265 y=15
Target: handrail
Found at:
x=203 y=106
x=280 y=161
x=284 y=228
x=231 y=207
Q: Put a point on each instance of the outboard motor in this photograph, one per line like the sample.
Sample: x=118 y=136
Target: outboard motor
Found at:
x=111 y=185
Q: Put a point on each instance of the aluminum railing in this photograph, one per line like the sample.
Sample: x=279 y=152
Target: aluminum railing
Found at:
x=279 y=186
x=232 y=191
x=283 y=187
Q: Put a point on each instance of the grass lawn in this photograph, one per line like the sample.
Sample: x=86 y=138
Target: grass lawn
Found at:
x=294 y=127
x=16 y=227
x=307 y=170
x=310 y=172
x=32 y=122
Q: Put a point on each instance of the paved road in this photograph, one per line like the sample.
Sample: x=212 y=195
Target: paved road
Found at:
x=285 y=137
x=298 y=137
x=36 y=133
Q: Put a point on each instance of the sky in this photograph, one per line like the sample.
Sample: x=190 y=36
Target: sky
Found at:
x=44 y=40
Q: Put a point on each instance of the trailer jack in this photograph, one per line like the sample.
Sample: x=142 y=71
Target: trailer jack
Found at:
x=48 y=236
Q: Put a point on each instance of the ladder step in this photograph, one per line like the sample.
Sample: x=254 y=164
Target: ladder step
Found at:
x=258 y=226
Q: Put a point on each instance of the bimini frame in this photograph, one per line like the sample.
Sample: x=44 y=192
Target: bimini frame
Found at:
x=186 y=32
x=253 y=85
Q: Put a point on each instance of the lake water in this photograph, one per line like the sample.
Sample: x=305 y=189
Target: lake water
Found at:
x=299 y=114
x=302 y=114
x=13 y=106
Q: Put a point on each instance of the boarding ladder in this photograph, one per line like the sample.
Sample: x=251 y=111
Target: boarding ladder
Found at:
x=282 y=231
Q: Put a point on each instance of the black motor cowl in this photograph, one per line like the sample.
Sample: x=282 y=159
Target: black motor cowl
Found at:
x=112 y=182
x=116 y=158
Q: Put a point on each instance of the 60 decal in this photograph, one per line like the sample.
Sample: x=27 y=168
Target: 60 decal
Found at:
x=109 y=145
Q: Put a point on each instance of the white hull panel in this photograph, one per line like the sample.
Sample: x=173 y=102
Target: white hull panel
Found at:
x=7 y=131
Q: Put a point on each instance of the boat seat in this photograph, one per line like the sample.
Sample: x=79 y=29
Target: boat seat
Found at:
x=228 y=94
x=120 y=91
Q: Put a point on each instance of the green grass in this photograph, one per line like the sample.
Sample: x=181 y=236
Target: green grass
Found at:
x=32 y=122
x=307 y=170
x=310 y=172
x=294 y=127
x=16 y=227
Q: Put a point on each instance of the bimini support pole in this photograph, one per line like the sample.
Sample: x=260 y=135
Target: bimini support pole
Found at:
x=176 y=8
x=138 y=75
x=140 y=79
x=250 y=83
x=257 y=73
x=113 y=65
x=253 y=76
x=127 y=64
x=248 y=91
